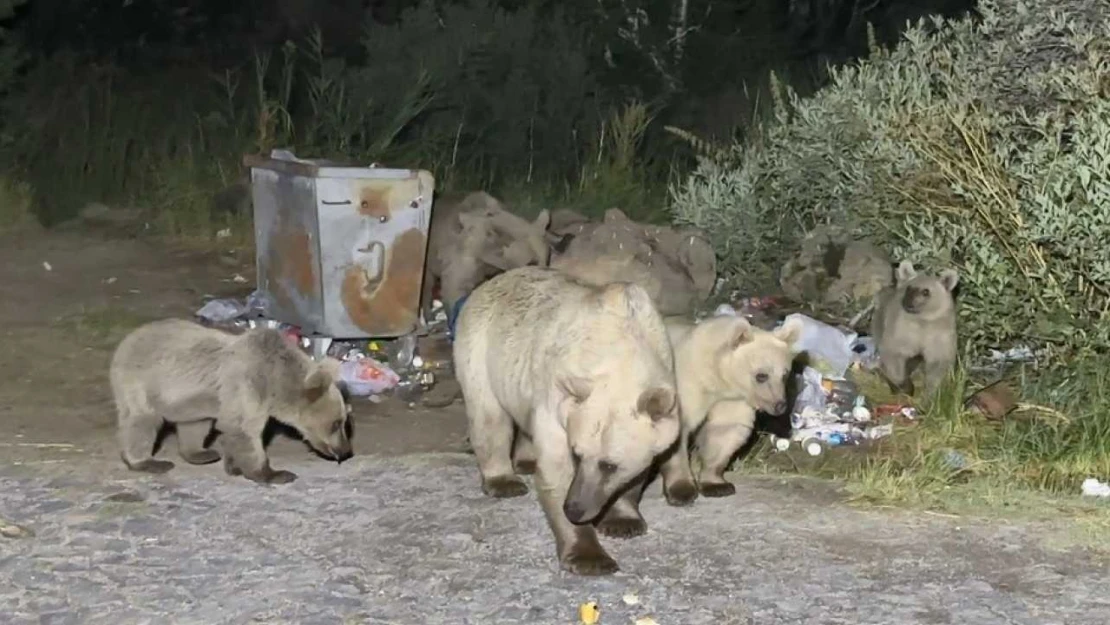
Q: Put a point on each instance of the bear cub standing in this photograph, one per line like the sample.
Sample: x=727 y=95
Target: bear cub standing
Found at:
x=916 y=319
x=197 y=377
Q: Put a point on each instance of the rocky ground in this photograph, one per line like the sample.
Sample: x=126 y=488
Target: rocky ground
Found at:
x=402 y=534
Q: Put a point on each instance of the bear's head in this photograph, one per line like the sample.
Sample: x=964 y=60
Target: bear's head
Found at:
x=506 y=240
x=623 y=413
x=754 y=364
x=323 y=412
x=926 y=295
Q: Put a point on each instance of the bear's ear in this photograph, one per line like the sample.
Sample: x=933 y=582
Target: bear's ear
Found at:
x=316 y=383
x=790 y=330
x=542 y=221
x=739 y=334
x=575 y=387
x=905 y=272
x=331 y=367
x=657 y=403
x=626 y=300
x=949 y=278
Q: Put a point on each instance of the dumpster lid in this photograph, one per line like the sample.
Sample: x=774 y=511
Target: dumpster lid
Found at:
x=285 y=162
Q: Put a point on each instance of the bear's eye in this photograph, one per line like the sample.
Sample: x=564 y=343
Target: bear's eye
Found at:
x=762 y=378
x=606 y=467
x=336 y=426
x=924 y=292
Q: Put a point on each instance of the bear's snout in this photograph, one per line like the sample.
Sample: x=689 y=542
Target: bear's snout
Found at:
x=574 y=511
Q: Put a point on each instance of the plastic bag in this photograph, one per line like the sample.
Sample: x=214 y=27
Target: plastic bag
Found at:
x=812 y=394
x=366 y=376
x=829 y=347
x=221 y=310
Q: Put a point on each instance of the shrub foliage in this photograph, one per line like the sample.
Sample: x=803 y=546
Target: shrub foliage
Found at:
x=982 y=144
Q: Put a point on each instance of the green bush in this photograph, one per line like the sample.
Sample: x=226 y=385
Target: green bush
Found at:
x=980 y=144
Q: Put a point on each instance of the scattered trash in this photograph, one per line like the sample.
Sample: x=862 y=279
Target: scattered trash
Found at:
x=893 y=410
x=366 y=376
x=238 y=279
x=258 y=303
x=223 y=234
x=403 y=352
x=829 y=347
x=955 y=460
x=880 y=431
x=724 y=310
x=111 y=280
x=865 y=354
x=630 y=599
x=589 y=613
x=222 y=310
x=1021 y=353
x=453 y=316
x=47 y=266
x=830 y=412
x=993 y=402
x=646 y=620
x=1094 y=488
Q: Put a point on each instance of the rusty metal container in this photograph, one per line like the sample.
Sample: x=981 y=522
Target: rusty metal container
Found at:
x=340 y=249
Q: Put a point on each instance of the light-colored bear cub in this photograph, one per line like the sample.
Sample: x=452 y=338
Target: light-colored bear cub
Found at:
x=196 y=377
x=916 y=320
x=726 y=369
x=587 y=375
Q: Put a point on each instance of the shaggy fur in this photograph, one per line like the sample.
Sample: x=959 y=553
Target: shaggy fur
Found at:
x=472 y=239
x=197 y=377
x=726 y=370
x=587 y=376
x=915 y=321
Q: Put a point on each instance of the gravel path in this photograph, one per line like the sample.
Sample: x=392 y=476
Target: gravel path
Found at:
x=411 y=539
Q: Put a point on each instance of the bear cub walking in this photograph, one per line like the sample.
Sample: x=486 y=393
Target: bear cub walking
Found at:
x=197 y=377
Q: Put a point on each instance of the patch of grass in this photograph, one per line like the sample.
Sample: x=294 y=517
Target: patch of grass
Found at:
x=612 y=177
x=15 y=206
x=951 y=460
x=100 y=327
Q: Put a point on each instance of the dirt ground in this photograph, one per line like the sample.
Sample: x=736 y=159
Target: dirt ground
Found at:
x=402 y=534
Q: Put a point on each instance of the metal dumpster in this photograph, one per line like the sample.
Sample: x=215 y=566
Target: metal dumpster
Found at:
x=340 y=250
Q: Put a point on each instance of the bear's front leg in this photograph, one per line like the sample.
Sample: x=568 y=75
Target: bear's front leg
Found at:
x=678 y=478
x=728 y=427
x=579 y=550
x=623 y=518
x=244 y=455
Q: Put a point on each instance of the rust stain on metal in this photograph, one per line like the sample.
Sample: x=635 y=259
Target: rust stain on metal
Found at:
x=291 y=255
x=374 y=201
x=389 y=305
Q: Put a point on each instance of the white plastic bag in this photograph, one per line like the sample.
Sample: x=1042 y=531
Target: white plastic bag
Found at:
x=829 y=347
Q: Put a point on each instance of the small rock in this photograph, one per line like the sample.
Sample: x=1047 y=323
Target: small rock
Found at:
x=11 y=530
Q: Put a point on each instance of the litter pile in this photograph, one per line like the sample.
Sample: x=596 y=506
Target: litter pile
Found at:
x=372 y=369
x=829 y=410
